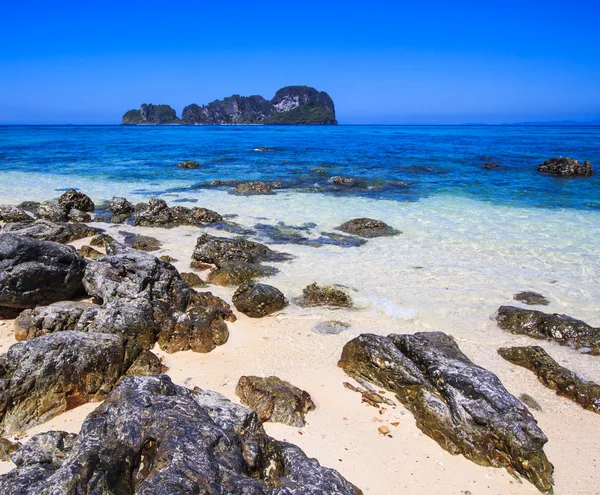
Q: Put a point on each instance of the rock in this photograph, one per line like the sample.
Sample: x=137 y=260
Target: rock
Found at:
x=200 y=266
x=566 y=167
x=530 y=402
x=554 y=376
x=53 y=212
x=318 y=171
x=343 y=181
x=30 y=206
x=7 y=449
x=340 y=240
x=255 y=187
x=73 y=199
x=368 y=228
x=275 y=400
x=89 y=252
x=325 y=295
x=147 y=363
x=531 y=298
x=141 y=242
x=489 y=165
x=76 y=215
x=36 y=273
x=464 y=407
x=157 y=213
x=331 y=327
x=101 y=240
x=258 y=300
x=45 y=230
x=234 y=273
x=384 y=430
x=120 y=206
x=194 y=216
x=219 y=250
x=45 y=376
x=189 y=164
x=192 y=279
x=150 y=114
x=42 y=320
x=9 y=213
x=168 y=259
x=262 y=148
x=48 y=448
x=153 y=437
x=560 y=328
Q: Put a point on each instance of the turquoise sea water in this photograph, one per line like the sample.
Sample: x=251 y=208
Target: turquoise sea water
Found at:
x=403 y=163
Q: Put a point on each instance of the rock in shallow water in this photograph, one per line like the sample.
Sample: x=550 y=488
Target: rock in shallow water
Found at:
x=331 y=327
x=120 y=207
x=258 y=300
x=153 y=437
x=235 y=273
x=325 y=295
x=566 y=167
x=464 y=407
x=531 y=298
x=367 y=227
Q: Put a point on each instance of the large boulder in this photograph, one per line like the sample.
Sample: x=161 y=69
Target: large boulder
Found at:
x=554 y=376
x=274 y=399
x=45 y=376
x=45 y=230
x=566 y=167
x=57 y=317
x=153 y=437
x=258 y=300
x=368 y=228
x=36 y=273
x=560 y=328
x=462 y=406
x=73 y=199
x=10 y=213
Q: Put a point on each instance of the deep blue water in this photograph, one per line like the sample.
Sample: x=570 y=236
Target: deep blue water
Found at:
x=403 y=163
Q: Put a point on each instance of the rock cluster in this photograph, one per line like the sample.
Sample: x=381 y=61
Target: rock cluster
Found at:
x=158 y=214
x=566 y=167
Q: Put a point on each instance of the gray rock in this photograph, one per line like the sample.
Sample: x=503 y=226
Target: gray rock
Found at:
x=120 y=207
x=76 y=215
x=368 y=228
x=30 y=206
x=9 y=213
x=462 y=406
x=157 y=213
x=566 y=167
x=45 y=230
x=331 y=327
x=53 y=212
x=42 y=320
x=258 y=300
x=251 y=188
x=73 y=199
x=153 y=437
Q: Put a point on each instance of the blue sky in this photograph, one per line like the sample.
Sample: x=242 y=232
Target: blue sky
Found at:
x=382 y=62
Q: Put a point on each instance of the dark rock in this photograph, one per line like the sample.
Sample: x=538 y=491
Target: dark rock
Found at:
x=554 y=376
x=89 y=252
x=53 y=212
x=7 y=449
x=153 y=437
x=275 y=400
x=531 y=298
x=285 y=234
x=340 y=240
x=234 y=273
x=9 y=213
x=45 y=376
x=219 y=250
x=120 y=207
x=258 y=300
x=343 y=181
x=7 y=313
x=331 y=327
x=45 y=230
x=147 y=363
x=157 y=213
x=194 y=216
x=139 y=207
x=325 y=295
x=319 y=171
x=30 y=206
x=489 y=165
x=189 y=164
x=101 y=240
x=255 y=187
x=48 y=448
x=464 y=407
x=36 y=273
x=192 y=279
x=561 y=328
x=141 y=242
x=367 y=227
x=73 y=199
x=76 y=215
x=566 y=167
x=42 y=320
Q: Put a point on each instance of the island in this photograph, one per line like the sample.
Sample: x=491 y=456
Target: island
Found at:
x=292 y=105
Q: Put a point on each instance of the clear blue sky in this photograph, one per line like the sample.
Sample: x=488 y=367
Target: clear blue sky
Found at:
x=399 y=62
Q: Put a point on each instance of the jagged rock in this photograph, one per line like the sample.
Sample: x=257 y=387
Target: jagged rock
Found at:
x=101 y=240
x=192 y=279
x=157 y=213
x=141 y=242
x=258 y=300
x=45 y=376
x=560 y=328
x=120 y=206
x=7 y=448
x=45 y=230
x=89 y=252
x=30 y=206
x=219 y=250
x=566 y=167
x=147 y=363
x=462 y=406
x=275 y=400
x=56 y=317
x=36 y=273
x=194 y=216
x=52 y=212
x=153 y=437
x=73 y=199
x=531 y=298
x=554 y=376
x=368 y=228
x=343 y=181
x=324 y=295
x=189 y=164
x=9 y=213
x=331 y=327
x=234 y=273
x=256 y=187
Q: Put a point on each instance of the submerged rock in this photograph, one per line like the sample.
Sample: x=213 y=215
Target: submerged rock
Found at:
x=343 y=181
x=234 y=273
x=275 y=400
x=73 y=199
x=554 y=376
x=45 y=230
x=325 y=295
x=188 y=164
x=560 y=328
x=151 y=436
x=45 y=376
x=56 y=317
x=566 y=167
x=367 y=227
x=9 y=213
x=464 y=407
x=120 y=207
x=490 y=165
x=531 y=298
x=255 y=187
x=258 y=300
x=35 y=272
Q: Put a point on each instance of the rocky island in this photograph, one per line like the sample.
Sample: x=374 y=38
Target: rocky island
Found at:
x=292 y=105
